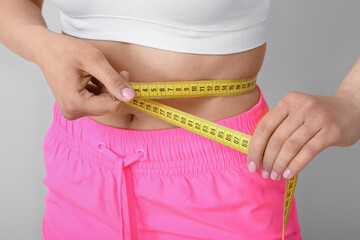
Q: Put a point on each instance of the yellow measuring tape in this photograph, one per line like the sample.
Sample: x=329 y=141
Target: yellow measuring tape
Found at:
x=203 y=88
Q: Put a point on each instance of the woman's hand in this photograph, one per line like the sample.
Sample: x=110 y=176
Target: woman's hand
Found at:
x=68 y=64
x=298 y=128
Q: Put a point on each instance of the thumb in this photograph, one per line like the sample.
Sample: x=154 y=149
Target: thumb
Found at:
x=115 y=83
x=125 y=75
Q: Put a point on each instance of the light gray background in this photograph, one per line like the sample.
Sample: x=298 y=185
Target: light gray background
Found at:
x=312 y=45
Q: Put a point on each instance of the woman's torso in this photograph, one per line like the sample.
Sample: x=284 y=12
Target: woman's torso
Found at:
x=146 y=64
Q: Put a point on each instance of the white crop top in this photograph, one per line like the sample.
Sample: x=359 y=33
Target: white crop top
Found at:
x=189 y=26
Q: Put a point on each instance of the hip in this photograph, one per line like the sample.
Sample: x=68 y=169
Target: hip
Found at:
x=177 y=182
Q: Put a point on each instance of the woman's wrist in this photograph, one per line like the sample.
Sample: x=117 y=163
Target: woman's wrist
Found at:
x=350 y=101
x=350 y=88
x=351 y=97
x=39 y=38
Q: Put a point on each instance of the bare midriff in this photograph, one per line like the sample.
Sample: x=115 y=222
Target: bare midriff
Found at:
x=146 y=64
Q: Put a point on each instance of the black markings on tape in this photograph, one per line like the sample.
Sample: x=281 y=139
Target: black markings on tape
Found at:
x=156 y=109
x=205 y=129
x=193 y=88
x=228 y=137
x=183 y=120
x=220 y=134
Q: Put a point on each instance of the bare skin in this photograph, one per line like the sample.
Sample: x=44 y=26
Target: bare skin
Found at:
x=145 y=64
x=286 y=139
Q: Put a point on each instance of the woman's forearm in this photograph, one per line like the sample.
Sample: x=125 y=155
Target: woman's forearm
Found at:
x=350 y=86
x=21 y=25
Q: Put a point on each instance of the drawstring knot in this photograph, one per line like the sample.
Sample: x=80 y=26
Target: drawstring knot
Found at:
x=138 y=155
x=127 y=160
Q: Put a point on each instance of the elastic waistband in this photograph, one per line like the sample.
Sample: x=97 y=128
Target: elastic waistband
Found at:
x=169 y=151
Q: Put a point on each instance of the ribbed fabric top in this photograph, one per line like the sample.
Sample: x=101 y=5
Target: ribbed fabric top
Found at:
x=200 y=26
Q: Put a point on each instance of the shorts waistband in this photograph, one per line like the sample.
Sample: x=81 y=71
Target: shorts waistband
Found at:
x=171 y=151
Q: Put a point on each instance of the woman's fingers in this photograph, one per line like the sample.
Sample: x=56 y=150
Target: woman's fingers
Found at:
x=311 y=124
x=312 y=148
x=276 y=141
x=85 y=103
x=96 y=105
x=262 y=134
x=291 y=147
x=103 y=103
x=68 y=67
x=93 y=100
x=101 y=69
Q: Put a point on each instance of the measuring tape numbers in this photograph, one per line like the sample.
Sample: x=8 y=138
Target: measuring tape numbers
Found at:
x=202 y=88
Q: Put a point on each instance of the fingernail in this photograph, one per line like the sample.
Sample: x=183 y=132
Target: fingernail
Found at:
x=128 y=93
x=265 y=173
x=274 y=175
x=287 y=173
x=252 y=166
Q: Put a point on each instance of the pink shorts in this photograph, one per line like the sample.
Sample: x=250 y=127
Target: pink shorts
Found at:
x=107 y=183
